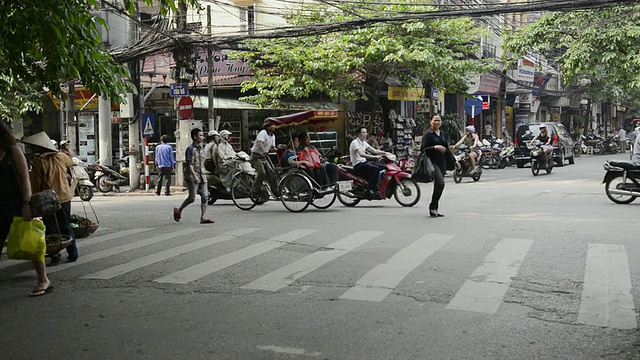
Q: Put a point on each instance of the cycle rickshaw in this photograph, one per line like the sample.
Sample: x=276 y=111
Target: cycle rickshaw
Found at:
x=297 y=189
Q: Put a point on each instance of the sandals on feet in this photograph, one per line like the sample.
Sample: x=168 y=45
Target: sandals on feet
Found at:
x=39 y=292
x=206 y=221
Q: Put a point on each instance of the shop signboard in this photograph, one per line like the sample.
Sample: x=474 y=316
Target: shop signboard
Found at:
x=404 y=93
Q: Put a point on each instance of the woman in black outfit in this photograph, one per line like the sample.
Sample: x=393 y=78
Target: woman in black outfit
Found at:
x=434 y=142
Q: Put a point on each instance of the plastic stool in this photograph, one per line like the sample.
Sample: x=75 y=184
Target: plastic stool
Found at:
x=589 y=150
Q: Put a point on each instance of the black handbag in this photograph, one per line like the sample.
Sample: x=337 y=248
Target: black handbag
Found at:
x=424 y=171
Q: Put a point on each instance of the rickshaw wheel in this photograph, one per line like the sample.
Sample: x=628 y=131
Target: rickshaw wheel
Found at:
x=241 y=191
x=325 y=201
x=295 y=192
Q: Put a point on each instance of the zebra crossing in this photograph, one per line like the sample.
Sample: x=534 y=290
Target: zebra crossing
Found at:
x=606 y=299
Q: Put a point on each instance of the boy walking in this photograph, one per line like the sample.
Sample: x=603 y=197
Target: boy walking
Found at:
x=195 y=178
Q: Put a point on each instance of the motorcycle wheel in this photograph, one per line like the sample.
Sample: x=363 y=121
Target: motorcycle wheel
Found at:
x=477 y=177
x=577 y=151
x=407 y=192
x=324 y=201
x=597 y=150
x=502 y=164
x=487 y=162
x=348 y=201
x=241 y=185
x=535 y=169
x=549 y=167
x=85 y=192
x=295 y=192
x=102 y=185
x=457 y=176
x=616 y=183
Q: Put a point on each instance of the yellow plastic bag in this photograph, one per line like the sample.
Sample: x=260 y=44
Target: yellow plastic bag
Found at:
x=26 y=240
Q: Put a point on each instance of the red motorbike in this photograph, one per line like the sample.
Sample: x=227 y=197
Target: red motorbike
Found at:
x=393 y=182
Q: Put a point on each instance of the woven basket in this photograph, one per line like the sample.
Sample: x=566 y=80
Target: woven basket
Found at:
x=83 y=231
x=56 y=243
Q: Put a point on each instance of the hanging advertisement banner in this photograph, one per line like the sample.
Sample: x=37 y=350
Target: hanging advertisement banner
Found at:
x=406 y=94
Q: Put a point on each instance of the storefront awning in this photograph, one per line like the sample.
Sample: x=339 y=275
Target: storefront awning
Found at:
x=202 y=102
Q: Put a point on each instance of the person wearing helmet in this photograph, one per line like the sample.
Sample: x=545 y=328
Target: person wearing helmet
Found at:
x=545 y=138
x=224 y=159
x=471 y=140
x=64 y=147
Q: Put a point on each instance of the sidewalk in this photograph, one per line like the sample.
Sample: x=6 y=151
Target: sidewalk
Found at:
x=125 y=191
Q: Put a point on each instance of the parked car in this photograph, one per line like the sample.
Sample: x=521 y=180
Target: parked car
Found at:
x=560 y=139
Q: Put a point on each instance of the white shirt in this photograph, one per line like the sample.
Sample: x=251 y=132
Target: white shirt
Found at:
x=622 y=134
x=636 y=150
x=355 y=145
x=264 y=142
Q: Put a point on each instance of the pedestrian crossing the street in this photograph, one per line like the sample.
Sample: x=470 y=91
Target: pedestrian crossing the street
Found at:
x=606 y=298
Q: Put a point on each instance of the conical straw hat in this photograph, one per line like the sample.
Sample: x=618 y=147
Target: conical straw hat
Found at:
x=40 y=139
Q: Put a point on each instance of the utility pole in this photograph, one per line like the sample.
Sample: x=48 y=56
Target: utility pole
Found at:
x=212 y=112
x=71 y=114
x=135 y=121
x=182 y=56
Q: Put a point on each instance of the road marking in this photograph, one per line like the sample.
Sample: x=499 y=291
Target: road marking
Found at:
x=115 y=250
x=106 y=237
x=82 y=243
x=164 y=255
x=381 y=280
x=289 y=350
x=488 y=284
x=286 y=275
x=221 y=262
x=606 y=294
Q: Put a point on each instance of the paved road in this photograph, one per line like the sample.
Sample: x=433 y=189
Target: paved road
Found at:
x=520 y=267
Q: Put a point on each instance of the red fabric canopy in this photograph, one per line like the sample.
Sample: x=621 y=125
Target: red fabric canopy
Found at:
x=303 y=118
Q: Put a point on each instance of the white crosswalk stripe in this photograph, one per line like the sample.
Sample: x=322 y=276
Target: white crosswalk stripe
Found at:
x=286 y=275
x=489 y=283
x=115 y=250
x=606 y=295
x=381 y=280
x=606 y=301
x=221 y=262
x=121 y=269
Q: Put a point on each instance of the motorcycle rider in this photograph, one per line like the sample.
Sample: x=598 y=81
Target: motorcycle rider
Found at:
x=369 y=170
x=471 y=140
x=545 y=138
x=224 y=159
x=209 y=152
x=636 y=147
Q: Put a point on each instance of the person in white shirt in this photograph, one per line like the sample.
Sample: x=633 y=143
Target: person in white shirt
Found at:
x=369 y=170
x=224 y=159
x=622 y=138
x=265 y=142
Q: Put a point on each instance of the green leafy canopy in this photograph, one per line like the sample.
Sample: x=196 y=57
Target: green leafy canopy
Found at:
x=601 y=45
x=354 y=63
x=47 y=42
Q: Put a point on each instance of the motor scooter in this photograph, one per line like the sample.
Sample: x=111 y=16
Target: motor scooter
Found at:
x=537 y=158
x=392 y=182
x=621 y=181
x=216 y=188
x=109 y=177
x=463 y=165
x=81 y=184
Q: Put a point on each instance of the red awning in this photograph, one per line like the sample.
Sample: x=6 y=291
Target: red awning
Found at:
x=303 y=118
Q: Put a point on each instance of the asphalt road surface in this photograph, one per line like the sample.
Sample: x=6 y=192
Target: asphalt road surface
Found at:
x=520 y=267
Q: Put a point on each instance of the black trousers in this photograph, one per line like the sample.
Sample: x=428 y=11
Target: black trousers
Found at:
x=438 y=188
x=164 y=172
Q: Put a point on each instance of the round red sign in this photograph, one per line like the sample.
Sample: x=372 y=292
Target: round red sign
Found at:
x=185 y=108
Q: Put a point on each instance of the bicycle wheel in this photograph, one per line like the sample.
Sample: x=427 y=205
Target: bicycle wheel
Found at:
x=241 y=191
x=295 y=192
x=324 y=201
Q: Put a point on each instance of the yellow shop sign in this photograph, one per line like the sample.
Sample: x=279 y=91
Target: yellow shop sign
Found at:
x=403 y=93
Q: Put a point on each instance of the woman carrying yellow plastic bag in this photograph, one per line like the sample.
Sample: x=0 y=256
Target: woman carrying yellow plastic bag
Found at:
x=15 y=196
x=26 y=240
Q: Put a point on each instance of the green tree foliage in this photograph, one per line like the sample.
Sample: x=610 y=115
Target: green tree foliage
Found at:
x=602 y=46
x=354 y=63
x=47 y=42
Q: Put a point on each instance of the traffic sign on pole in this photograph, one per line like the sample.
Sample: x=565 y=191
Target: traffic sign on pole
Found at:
x=148 y=120
x=185 y=108
x=473 y=107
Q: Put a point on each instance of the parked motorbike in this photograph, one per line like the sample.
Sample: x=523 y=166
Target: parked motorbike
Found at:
x=537 y=158
x=608 y=145
x=109 y=177
x=463 y=165
x=393 y=182
x=621 y=181
x=505 y=153
x=81 y=184
x=490 y=158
